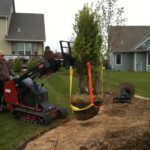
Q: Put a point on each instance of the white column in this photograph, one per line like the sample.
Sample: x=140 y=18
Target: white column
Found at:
x=146 y=61
x=114 y=61
x=135 y=69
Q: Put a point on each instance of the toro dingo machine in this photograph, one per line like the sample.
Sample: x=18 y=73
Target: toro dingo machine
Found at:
x=27 y=100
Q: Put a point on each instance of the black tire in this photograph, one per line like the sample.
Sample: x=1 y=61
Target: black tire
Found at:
x=16 y=115
x=45 y=120
x=62 y=113
x=125 y=87
x=41 y=121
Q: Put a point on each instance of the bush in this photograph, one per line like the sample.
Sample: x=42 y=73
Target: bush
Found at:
x=32 y=63
x=17 y=64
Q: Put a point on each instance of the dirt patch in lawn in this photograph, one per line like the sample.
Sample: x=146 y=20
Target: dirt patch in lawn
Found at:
x=117 y=126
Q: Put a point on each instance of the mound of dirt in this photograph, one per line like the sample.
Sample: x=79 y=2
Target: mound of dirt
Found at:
x=117 y=126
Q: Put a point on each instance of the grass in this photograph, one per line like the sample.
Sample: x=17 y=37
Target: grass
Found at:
x=14 y=134
x=140 y=80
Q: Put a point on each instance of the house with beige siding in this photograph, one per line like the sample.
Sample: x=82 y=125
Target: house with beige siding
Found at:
x=21 y=34
x=130 y=48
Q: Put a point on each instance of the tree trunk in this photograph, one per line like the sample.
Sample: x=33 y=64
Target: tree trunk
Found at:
x=96 y=83
x=82 y=84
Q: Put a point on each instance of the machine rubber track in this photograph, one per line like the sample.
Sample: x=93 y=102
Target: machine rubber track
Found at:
x=28 y=115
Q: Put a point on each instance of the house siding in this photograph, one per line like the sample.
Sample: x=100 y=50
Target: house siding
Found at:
x=127 y=60
x=112 y=61
x=140 y=61
x=40 y=48
x=135 y=61
x=4 y=45
x=148 y=69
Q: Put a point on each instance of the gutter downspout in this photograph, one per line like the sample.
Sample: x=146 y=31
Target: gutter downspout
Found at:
x=6 y=25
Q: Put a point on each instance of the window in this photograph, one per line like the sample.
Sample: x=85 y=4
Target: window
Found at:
x=35 y=49
x=118 y=59
x=148 y=59
x=28 y=48
x=20 y=48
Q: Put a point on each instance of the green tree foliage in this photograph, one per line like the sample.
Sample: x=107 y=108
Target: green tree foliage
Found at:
x=32 y=63
x=88 y=41
x=111 y=15
x=17 y=64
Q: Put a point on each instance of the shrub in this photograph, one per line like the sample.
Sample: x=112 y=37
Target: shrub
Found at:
x=17 y=64
x=32 y=63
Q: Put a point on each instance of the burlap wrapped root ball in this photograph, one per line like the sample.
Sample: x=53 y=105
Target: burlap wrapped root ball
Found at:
x=82 y=102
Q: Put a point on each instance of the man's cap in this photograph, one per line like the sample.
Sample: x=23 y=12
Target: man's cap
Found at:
x=1 y=52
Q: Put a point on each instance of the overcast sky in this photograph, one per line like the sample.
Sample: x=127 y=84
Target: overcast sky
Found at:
x=60 y=14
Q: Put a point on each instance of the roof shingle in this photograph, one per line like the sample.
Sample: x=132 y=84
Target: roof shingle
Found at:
x=5 y=7
x=26 y=27
x=127 y=38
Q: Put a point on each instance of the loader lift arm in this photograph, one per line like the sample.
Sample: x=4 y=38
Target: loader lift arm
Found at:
x=49 y=66
x=27 y=100
x=68 y=60
x=46 y=67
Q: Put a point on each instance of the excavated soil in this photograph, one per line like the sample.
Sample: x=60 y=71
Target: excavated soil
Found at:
x=117 y=126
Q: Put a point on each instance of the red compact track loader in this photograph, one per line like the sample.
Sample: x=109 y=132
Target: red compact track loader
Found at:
x=27 y=100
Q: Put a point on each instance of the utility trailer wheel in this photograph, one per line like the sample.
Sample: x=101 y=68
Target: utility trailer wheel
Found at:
x=44 y=120
x=16 y=115
x=62 y=113
x=41 y=121
x=125 y=88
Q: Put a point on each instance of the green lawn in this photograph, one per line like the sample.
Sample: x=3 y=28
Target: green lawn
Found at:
x=140 y=80
x=13 y=133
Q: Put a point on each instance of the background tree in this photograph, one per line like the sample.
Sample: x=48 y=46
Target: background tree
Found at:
x=111 y=15
x=87 y=45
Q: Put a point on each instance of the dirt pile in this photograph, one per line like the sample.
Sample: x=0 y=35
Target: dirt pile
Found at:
x=116 y=127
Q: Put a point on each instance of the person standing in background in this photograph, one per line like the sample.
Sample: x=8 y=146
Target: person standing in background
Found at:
x=6 y=73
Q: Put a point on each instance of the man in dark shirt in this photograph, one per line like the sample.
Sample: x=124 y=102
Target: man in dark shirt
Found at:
x=5 y=73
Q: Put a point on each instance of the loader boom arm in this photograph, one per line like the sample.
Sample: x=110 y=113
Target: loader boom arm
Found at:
x=52 y=65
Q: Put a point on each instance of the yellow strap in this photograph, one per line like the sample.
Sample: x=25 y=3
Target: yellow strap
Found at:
x=73 y=107
x=71 y=74
x=81 y=109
